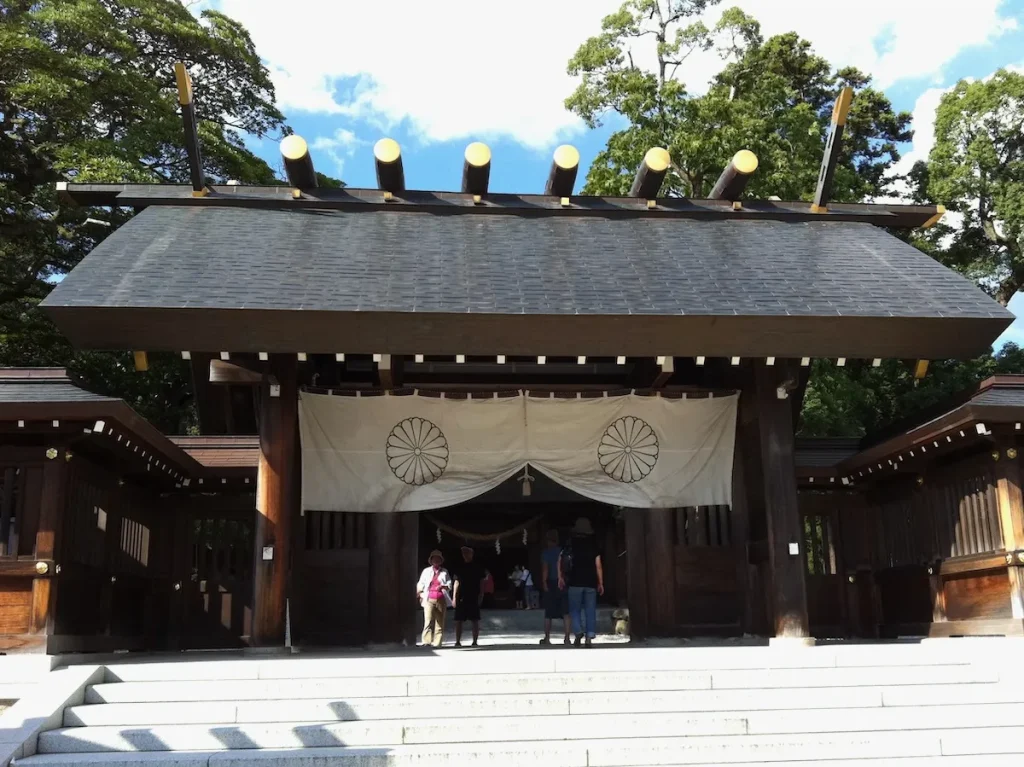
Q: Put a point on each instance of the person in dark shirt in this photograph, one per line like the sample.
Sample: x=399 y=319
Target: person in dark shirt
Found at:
x=580 y=570
x=466 y=595
x=556 y=600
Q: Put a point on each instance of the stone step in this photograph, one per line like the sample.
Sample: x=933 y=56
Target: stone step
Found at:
x=15 y=690
x=249 y=689
x=532 y=621
x=508 y=711
x=312 y=710
x=889 y=749
x=852 y=677
x=425 y=662
x=949 y=694
x=220 y=704
x=439 y=729
x=472 y=679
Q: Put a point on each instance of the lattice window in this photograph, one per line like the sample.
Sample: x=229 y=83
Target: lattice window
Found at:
x=704 y=526
x=135 y=541
x=9 y=530
x=819 y=545
x=335 y=530
x=221 y=548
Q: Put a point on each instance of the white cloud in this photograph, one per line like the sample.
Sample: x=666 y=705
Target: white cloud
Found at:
x=464 y=69
x=338 y=147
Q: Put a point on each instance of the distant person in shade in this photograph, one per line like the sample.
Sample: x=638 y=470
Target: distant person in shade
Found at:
x=518 y=586
x=487 y=589
x=434 y=592
x=580 y=570
x=469 y=578
x=556 y=600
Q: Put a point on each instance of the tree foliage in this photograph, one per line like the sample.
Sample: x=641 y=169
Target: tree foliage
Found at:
x=87 y=93
x=976 y=168
x=774 y=97
x=860 y=399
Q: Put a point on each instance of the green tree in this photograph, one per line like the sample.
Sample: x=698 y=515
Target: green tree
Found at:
x=976 y=168
x=860 y=399
x=87 y=93
x=774 y=97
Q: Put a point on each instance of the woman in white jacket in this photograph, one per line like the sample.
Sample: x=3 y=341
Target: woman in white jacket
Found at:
x=433 y=590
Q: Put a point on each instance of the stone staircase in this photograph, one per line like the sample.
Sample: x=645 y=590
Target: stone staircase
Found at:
x=945 y=702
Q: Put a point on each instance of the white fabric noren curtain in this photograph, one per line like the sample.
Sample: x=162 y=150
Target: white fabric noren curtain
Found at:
x=414 y=453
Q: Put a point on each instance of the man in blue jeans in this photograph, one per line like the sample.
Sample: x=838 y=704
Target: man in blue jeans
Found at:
x=580 y=569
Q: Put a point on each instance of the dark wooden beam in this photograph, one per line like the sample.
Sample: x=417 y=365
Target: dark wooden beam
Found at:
x=212 y=402
x=7 y=507
x=222 y=372
x=734 y=178
x=562 y=176
x=276 y=498
x=389 y=596
x=1010 y=504
x=387 y=157
x=282 y=198
x=650 y=174
x=408 y=571
x=661 y=572
x=784 y=524
x=473 y=333
x=636 y=572
x=476 y=170
x=385 y=373
x=739 y=521
x=833 y=146
x=298 y=164
x=188 y=118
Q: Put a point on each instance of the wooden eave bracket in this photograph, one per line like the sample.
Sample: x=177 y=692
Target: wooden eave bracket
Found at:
x=940 y=211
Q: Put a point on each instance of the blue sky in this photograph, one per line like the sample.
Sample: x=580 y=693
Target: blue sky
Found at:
x=435 y=76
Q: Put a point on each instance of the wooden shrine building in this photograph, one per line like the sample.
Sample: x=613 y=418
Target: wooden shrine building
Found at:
x=294 y=299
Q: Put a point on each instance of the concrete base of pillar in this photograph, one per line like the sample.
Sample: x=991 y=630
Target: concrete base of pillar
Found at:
x=792 y=642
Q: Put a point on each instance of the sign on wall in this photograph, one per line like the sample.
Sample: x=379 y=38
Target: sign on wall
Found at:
x=414 y=453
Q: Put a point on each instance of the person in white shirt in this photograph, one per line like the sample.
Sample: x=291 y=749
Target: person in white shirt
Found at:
x=433 y=590
x=516 y=579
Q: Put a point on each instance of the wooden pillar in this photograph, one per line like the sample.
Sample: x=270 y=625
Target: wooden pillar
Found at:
x=775 y=421
x=51 y=517
x=661 y=573
x=1011 y=517
x=937 y=594
x=410 y=564
x=636 y=572
x=740 y=526
x=388 y=595
x=276 y=494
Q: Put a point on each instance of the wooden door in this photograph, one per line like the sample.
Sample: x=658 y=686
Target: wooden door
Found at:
x=217 y=596
x=823 y=565
x=330 y=602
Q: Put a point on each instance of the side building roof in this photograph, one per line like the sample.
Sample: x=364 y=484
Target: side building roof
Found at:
x=47 y=399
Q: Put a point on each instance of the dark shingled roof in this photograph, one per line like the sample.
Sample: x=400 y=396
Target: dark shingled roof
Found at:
x=824 y=452
x=686 y=280
x=222 y=451
x=31 y=385
x=49 y=394
x=996 y=400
